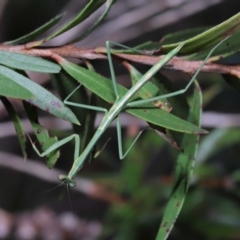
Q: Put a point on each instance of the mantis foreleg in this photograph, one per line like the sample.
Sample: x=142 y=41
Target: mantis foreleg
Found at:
x=118 y=125
x=76 y=137
x=179 y=92
x=59 y=144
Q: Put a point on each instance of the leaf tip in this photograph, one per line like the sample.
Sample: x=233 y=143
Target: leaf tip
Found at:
x=203 y=131
x=75 y=121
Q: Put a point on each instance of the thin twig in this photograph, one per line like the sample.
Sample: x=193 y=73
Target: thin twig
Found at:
x=71 y=51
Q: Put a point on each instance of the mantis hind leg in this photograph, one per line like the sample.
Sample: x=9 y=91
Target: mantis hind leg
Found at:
x=119 y=135
x=110 y=62
x=119 y=131
x=140 y=102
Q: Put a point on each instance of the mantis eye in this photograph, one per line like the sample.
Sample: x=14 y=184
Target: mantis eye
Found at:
x=67 y=180
x=72 y=183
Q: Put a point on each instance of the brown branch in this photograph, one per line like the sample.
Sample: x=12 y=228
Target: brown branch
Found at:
x=184 y=65
x=70 y=51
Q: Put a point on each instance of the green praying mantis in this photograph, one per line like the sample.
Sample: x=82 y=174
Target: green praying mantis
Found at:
x=120 y=104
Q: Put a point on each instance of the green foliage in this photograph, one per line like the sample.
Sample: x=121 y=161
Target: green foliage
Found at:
x=27 y=63
x=103 y=88
x=42 y=134
x=36 y=33
x=178 y=121
x=184 y=167
x=17 y=124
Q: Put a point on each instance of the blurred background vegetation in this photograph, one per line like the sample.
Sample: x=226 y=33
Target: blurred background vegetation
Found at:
x=123 y=199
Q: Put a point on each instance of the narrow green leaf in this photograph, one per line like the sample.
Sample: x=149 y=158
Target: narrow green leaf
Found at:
x=168 y=39
x=91 y=7
x=182 y=35
x=229 y=47
x=149 y=89
x=179 y=104
x=9 y=88
x=43 y=98
x=37 y=32
x=167 y=120
x=183 y=170
x=207 y=38
x=104 y=89
x=149 y=46
x=17 y=125
x=42 y=135
x=28 y=63
x=97 y=23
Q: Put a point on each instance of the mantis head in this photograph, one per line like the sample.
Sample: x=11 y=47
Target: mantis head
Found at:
x=67 y=180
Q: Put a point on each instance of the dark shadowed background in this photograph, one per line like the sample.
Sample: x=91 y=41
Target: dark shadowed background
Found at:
x=28 y=211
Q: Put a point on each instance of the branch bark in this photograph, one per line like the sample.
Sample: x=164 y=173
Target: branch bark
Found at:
x=70 y=51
